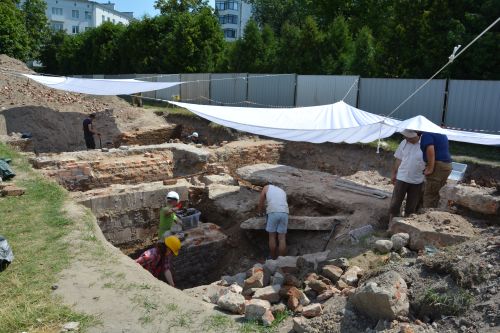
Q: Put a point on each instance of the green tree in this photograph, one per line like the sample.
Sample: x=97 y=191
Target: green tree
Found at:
x=50 y=52
x=36 y=25
x=14 y=39
x=338 y=47
x=364 y=59
x=276 y=13
x=249 y=50
x=179 y=6
x=289 y=52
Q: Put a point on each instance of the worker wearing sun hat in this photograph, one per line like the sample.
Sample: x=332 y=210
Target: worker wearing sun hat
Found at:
x=407 y=175
x=167 y=213
x=158 y=260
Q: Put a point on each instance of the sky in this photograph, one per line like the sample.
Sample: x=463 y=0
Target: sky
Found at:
x=139 y=7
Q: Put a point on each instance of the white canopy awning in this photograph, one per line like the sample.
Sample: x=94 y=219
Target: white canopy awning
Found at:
x=338 y=122
x=103 y=87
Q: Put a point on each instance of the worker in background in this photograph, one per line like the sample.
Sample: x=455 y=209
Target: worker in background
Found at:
x=158 y=260
x=194 y=138
x=167 y=214
x=137 y=100
x=407 y=175
x=436 y=154
x=89 y=131
x=276 y=217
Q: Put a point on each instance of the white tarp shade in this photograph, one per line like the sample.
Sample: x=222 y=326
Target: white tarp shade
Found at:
x=337 y=122
x=103 y=87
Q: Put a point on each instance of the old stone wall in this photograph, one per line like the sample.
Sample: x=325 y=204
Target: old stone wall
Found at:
x=242 y=153
x=129 y=215
x=148 y=136
x=86 y=170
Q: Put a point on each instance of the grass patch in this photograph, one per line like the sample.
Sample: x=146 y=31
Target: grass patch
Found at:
x=255 y=326
x=35 y=226
x=219 y=323
x=449 y=302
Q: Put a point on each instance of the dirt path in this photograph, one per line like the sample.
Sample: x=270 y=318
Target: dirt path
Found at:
x=124 y=297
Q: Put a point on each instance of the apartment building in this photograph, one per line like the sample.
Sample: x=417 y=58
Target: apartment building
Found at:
x=76 y=16
x=233 y=17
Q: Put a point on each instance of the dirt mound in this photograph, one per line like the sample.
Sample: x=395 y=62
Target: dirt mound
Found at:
x=442 y=221
x=54 y=117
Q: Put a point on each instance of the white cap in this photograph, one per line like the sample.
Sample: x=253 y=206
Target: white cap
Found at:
x=195 y=134
x=173 y=195
x=409 y=134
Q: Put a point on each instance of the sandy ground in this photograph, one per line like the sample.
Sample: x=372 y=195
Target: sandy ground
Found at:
x=103 y=282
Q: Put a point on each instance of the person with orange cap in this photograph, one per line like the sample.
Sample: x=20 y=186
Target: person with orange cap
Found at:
x=158 y=260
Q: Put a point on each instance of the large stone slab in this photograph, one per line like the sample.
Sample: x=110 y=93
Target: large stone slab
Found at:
x=218 y=191
x=436 y=228
x=323 y=193
x=477 y=199
x=297 y=222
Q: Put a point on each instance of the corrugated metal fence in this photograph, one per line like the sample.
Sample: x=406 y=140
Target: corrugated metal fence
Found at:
x=464 y=104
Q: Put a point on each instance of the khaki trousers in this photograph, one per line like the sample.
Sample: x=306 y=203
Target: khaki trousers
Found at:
x=434 y=182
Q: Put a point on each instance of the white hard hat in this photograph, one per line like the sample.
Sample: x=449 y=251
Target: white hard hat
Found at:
x=195 y=134
x=173 y=195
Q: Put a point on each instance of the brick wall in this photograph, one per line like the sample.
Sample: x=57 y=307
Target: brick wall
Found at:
x=199 y=256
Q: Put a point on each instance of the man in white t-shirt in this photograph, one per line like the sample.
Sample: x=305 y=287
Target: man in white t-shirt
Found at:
x=407 y=175
x=276 y=217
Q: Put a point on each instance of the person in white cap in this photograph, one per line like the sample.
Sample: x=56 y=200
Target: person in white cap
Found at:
x=195 y=137
x=167 y=214
x=407 y=175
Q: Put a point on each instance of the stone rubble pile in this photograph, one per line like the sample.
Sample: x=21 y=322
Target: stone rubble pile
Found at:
x=298 y=284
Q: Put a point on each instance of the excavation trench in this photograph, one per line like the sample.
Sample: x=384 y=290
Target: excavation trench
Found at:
x=125 y=189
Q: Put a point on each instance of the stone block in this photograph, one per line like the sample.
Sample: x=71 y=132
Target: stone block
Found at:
x=299 y=295
x=267 y=318
x=383 y=246
x=382 y=297
x=352 y=275
x=313 y=310
x=255 y=281
x=399 y=241
x=232 y=302
x=12 y=191
x=256 y=308
x=339 y=262
x=292 y=280
x=332 y=272
x=318 y=286
x=478 y=199
x=277 y=279
x=269 y=293
x=300 y=325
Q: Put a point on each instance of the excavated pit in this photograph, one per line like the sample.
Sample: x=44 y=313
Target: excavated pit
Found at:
x=125 y=190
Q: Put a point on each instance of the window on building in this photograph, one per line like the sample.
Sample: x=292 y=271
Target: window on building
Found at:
x=103 y=18
x=232 y=5
x=75 y=14
x=220 y=5
x=228 y=19
x=57 y=26
x=114 y=21
x=75 y=29
x=57 y=11
x=88 y=15
x=229 y=33
x=109 y=19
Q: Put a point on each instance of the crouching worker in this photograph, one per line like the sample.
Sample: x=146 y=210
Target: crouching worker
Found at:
x=276 y=217
x=158 y=260
x=167 y=214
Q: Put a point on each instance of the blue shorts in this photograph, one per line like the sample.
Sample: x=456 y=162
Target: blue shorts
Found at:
x=277 y=222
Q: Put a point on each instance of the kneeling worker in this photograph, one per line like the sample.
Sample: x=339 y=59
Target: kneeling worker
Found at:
x=158 y=260
x=276 y=217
